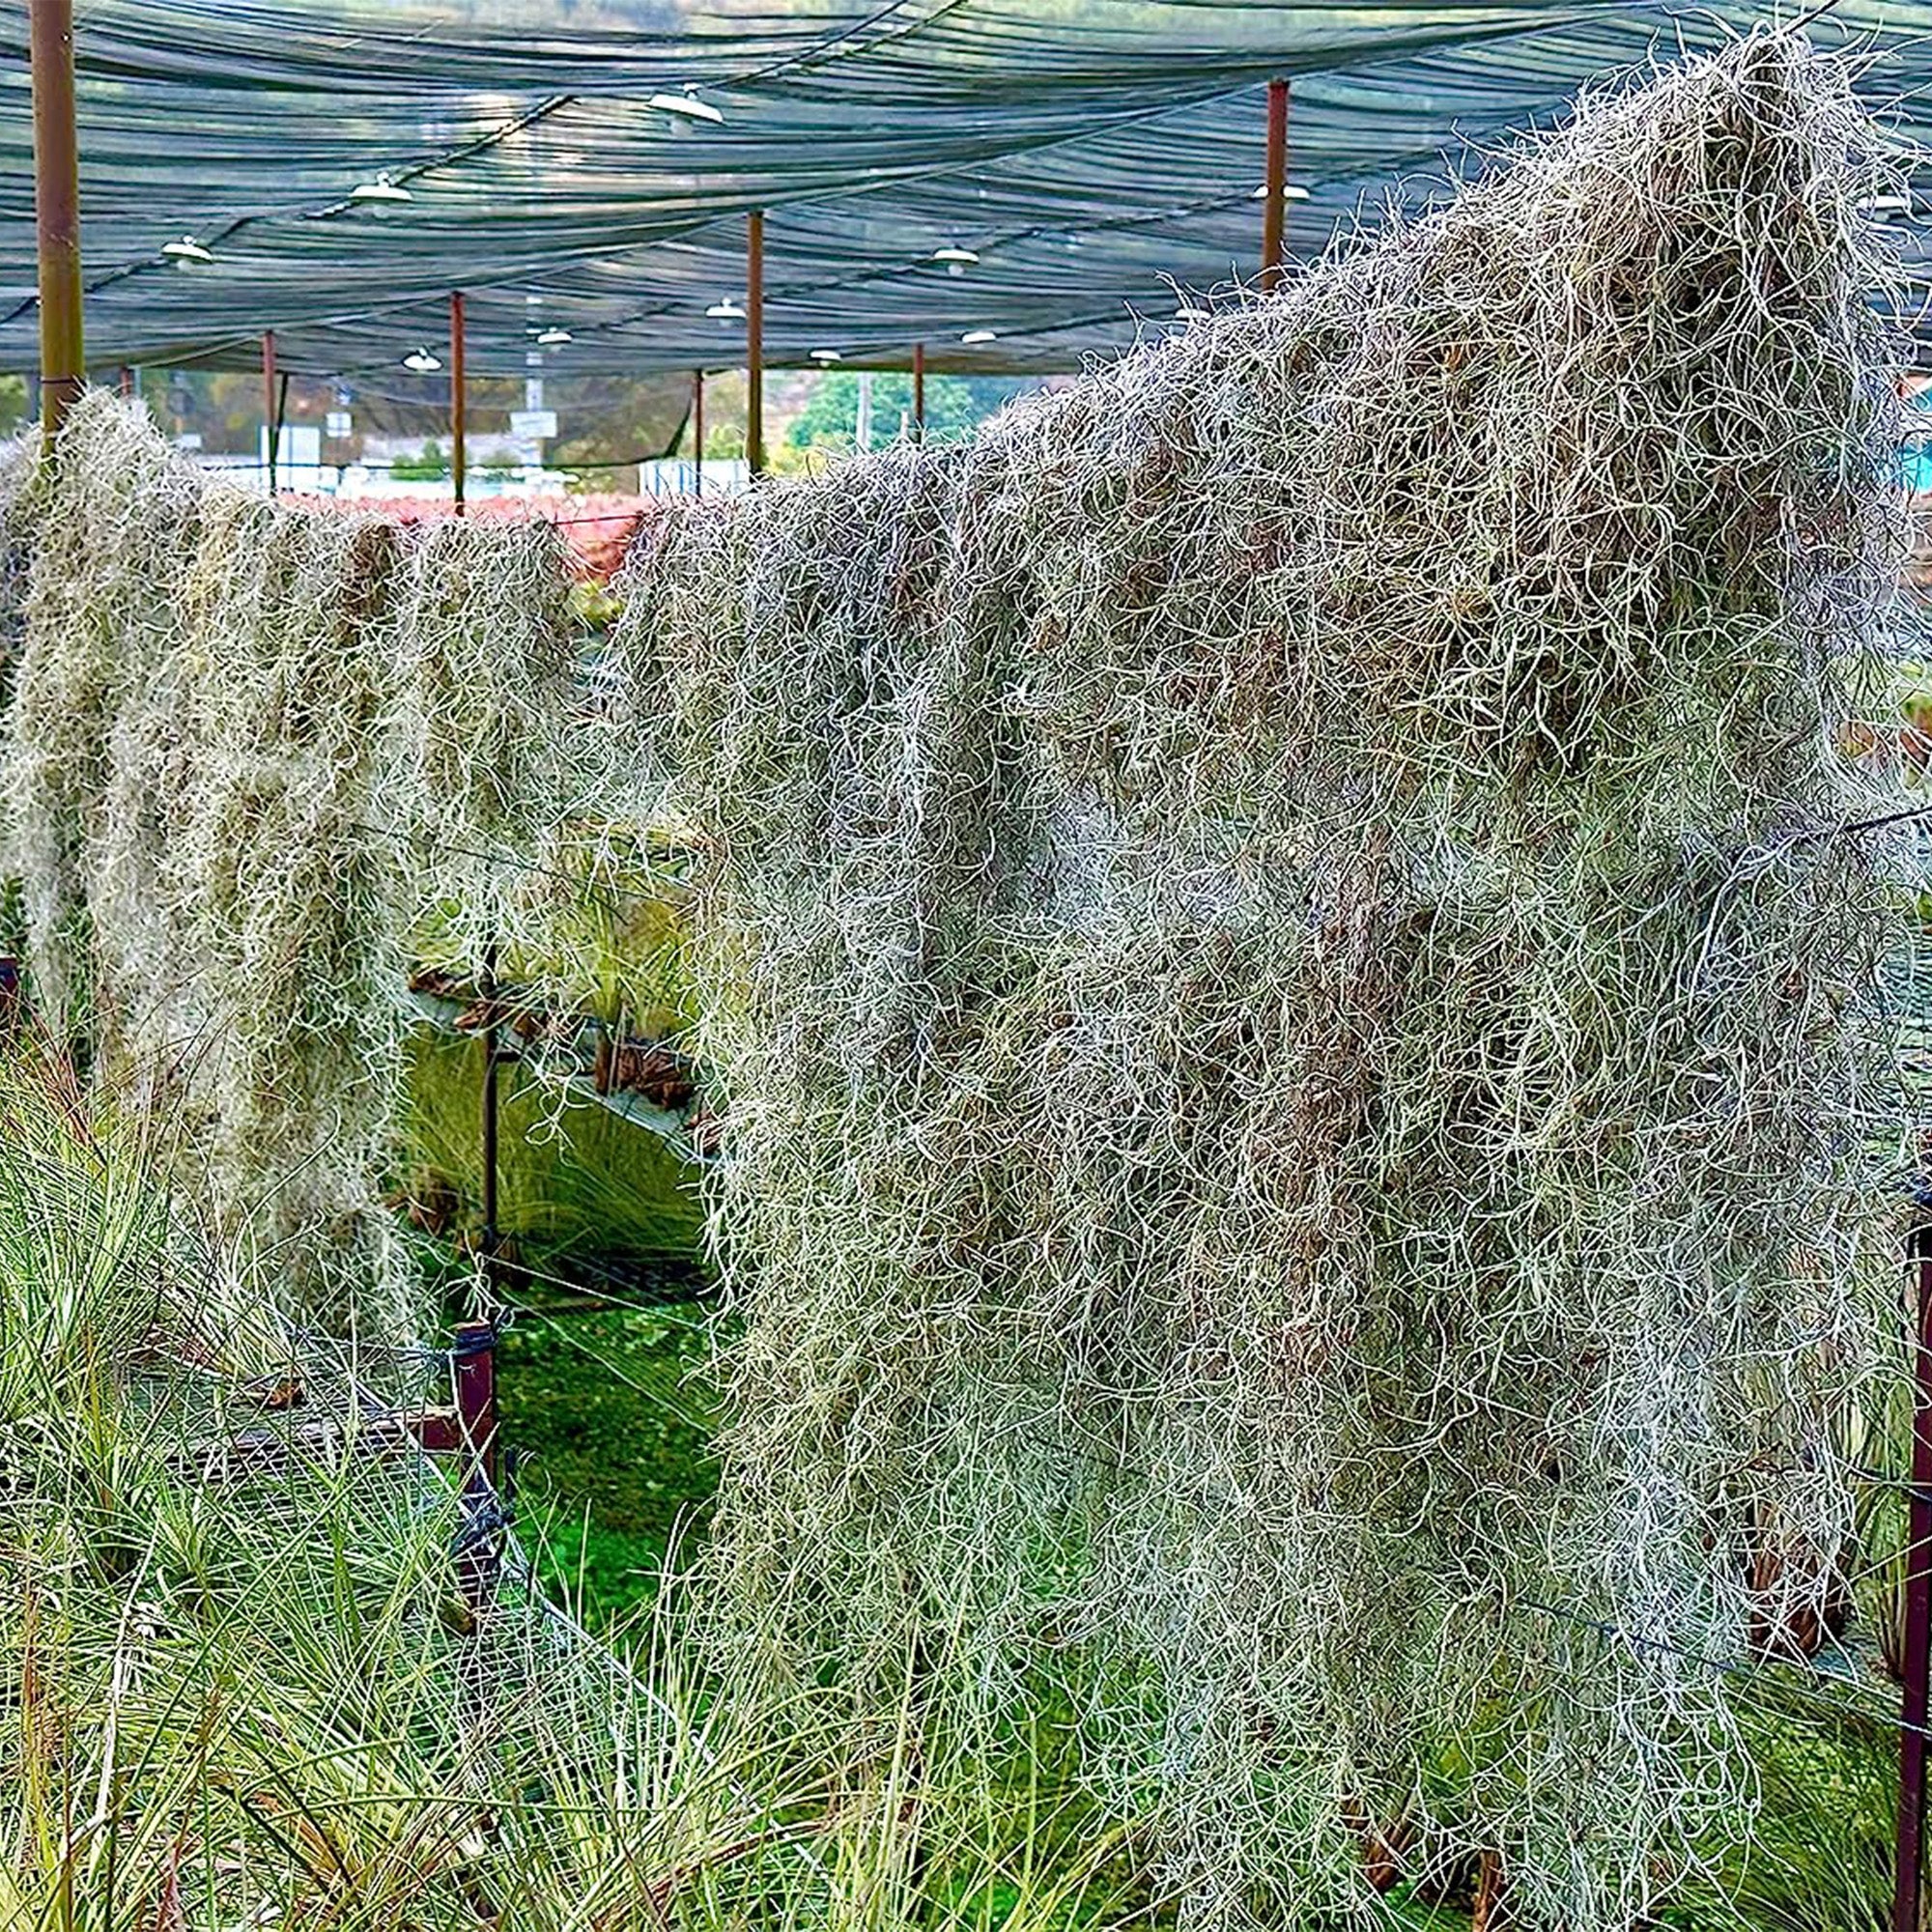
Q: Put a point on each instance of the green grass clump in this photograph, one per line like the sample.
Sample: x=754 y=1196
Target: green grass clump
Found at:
x=245 y=1693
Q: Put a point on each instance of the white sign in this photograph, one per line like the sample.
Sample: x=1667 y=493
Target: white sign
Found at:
x=188 y=439
x=341 y=423
x=534 y=424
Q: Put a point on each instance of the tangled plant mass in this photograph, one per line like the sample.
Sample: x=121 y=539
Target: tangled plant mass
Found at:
x=1302 y=1060
x=1295 y=999
x=252 y=747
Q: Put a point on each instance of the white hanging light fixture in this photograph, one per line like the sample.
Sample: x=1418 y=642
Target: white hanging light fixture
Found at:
x=826 y=355
x=958 y=260
x=1290 y=192
x=727 y=310
x=381 y=189
x=187 y=250
x=552 y=338
x=687 y=107
x=976 y=335
x=420 y=362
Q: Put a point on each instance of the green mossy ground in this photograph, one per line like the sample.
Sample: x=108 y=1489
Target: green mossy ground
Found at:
x=609 y=1409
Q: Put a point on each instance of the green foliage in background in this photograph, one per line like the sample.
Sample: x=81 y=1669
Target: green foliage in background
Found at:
x=571 y=1173
x=955 y=406
x=431 y=466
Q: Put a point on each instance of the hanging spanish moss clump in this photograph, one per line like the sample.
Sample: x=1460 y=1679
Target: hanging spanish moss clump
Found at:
x=112 y=537
x=18 y=467
x=251 y=748
x=479 y=777
x=199 y=714
x=1297 y=1006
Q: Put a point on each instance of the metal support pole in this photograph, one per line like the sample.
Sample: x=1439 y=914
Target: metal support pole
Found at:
x=126 y=383
x=1274 y=196
x=480 y=1522
x=919 y=391
x=476 y=1403
x=459 y=406
x=697 y=430
x=754 y=343
x=269 y=402
x=57 y=209
x=1917 y=1663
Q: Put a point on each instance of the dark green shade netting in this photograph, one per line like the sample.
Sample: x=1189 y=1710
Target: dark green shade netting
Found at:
x=1099 y=157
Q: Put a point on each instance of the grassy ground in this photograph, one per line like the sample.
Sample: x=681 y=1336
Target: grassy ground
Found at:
x=611 y=1409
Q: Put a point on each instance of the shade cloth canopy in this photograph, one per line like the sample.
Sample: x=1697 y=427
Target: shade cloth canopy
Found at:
x=1098 y=160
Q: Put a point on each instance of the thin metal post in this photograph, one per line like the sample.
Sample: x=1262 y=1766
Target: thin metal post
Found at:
x=1274 y=187
x=57 y=209
x=1917 y=1664
x=698 y=429
x=269 y=401
x=476 y=1403
x=919 y=390
x=754 y=343
x=459 y=406
x=479 y=1532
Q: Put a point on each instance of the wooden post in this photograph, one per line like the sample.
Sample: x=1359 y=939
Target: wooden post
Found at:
x=698 y=429
x=1908 y=1872
x=57 y=209
x=268 y=403
x=126 y=383
x=459 y=406
x=1274 y=195
x=754 y=343
x=919 y=391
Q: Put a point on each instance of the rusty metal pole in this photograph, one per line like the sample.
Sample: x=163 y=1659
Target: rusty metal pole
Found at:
x=476 y=1404
x=919 y=391
x=459 y=406
x=1488 y=1912
x=478 y=1547
x=269 y=402
x=697 y=430
x=1909 y=1884
x=57 y=209
x=754 y=343
x=1274 y=186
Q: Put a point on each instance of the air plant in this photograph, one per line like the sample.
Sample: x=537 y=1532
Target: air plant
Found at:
x=1300 y=1021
